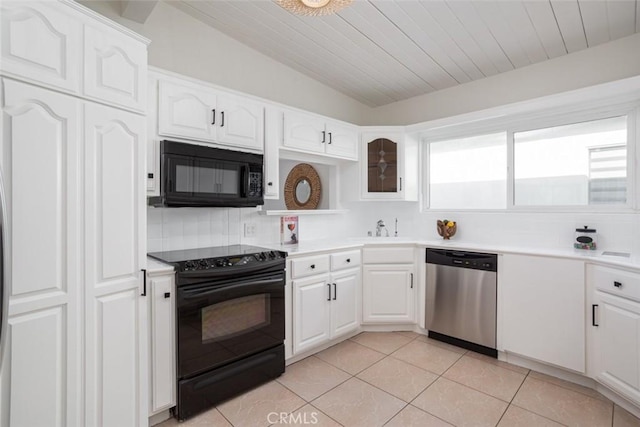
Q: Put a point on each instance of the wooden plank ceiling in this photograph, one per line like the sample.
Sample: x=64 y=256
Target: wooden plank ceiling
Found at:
x=382 y=51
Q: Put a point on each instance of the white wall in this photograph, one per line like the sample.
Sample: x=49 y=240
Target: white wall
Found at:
x=182 y=44
x=603 y=63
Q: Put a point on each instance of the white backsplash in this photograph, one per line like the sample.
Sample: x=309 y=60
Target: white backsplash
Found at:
x=183 y=228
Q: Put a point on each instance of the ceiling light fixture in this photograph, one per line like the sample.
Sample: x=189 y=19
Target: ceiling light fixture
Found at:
x=313 y=7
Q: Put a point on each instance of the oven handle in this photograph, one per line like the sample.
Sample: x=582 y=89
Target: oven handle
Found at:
x=187 y=294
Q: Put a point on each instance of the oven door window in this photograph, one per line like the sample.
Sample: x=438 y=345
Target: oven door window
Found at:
x=239 y=316
x=218 y=324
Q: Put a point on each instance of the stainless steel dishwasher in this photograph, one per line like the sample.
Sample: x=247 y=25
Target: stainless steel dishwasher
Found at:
x=461 y=299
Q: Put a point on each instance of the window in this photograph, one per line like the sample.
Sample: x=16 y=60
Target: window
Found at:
x=469 y=173
x=572 y=165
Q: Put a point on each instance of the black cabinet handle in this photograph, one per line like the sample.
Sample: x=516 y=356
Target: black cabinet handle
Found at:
x=411 y=280
x=329 y=286
x=269 y=184
x=593 y=314
x=348 y=259
x=324 y=136
x=213 y=121
x=313 y=266
x=617 y=284
x=335 y=292
x=167 y=294
x=400 y=183
x=150 y=175
x=144 y=283
x=222 y=114
x=330 y=140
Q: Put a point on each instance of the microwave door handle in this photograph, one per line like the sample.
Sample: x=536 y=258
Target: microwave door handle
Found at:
x=245 y=181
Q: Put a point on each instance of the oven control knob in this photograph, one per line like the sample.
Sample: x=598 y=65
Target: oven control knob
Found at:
x=203 y=264
x=272 y=255
x=262 y=256
x=220 y=263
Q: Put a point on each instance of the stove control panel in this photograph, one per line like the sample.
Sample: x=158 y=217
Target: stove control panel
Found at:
x=231 y=261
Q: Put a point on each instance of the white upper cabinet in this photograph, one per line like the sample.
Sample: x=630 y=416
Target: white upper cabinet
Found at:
x=389 y=165
x=315 y=134
x=115 y=70
x=41 y=42
x=191 y=111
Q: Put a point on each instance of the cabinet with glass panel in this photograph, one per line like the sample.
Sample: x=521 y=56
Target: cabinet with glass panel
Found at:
x=389 y=165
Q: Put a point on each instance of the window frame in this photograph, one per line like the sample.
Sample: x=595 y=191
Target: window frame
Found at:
x=522 y=122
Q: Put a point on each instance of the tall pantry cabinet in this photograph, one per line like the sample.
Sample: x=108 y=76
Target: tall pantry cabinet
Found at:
x=72 y=159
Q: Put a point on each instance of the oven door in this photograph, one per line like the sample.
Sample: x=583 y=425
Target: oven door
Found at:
x=221 y=322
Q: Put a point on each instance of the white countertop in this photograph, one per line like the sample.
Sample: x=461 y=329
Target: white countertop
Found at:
x=597 y=256
x=158 y=267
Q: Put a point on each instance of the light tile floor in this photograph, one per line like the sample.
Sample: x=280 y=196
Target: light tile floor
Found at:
x=402 y=379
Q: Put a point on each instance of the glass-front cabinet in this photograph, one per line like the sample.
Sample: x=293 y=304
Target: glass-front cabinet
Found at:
x=388 y=166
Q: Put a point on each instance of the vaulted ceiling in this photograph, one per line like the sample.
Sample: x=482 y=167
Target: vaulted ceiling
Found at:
x=381 y=51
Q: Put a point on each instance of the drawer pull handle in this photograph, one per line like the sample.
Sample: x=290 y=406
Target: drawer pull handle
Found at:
x=617 y=284
x=329 y=286
x=593 y=314
x=167 y=294
x=348 y=259
x=313 y=266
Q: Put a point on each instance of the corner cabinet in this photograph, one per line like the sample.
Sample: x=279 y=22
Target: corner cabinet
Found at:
x=192 y=111
x=614 y=330
x=542 y=301
x=389 y=166
x=326 y=290
x=73 y=173
x=316 y=134
x=389 y=285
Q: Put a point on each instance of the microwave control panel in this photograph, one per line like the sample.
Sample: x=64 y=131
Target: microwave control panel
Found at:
x=255 y=184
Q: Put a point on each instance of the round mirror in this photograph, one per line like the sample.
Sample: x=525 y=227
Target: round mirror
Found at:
x=303 y=191
x=302 y=188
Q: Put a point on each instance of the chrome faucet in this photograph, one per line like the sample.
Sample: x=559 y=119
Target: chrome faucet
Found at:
x=379 y=227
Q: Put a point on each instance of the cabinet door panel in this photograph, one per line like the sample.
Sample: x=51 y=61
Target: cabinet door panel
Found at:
x=241 y=122
x=342 y=141
x=115 y=68
x=40 y=162
x=163 y=350
x=303 y=132
x=41 y=42
x=344 y=304
x=311 y=312
x=115 y=232
x=543 y=316
x=272 y=139
x=387 y=294
x=617 y=345
x=186 y=112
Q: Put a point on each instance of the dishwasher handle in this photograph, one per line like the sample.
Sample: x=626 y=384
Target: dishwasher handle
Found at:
x=462 y=259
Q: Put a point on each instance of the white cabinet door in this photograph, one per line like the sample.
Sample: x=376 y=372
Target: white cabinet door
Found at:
x=344 y=302
x=40 y=159
x=543 y=309
x=241 y=122
x=311 y=312
x=304 y=132
x=115 y=68
x=187 y=112
x=41 y=42
x=115 y=228
x=272 y=138
x=163 y=348
x=342 y=140
x=388 y=294
x=617 y=344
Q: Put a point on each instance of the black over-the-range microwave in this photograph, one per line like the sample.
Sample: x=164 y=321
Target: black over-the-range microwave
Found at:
x=195 y=175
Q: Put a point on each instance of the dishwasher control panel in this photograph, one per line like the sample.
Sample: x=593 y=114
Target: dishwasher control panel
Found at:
x=473 y=260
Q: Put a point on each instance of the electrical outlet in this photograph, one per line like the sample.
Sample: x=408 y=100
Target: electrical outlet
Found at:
x=249 y=229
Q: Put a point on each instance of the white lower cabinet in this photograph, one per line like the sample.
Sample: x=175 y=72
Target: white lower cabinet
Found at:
x=162 y=344
x=542 y=300
x=614 y=334
x=388 y=285
x=325 y=304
